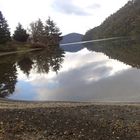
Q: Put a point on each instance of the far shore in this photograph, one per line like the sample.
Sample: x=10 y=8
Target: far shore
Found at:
x=22 y=51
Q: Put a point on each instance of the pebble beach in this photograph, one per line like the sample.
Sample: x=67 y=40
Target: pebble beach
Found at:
x=25 y=120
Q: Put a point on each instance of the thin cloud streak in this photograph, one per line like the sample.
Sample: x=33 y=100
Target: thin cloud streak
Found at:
x=70 y=8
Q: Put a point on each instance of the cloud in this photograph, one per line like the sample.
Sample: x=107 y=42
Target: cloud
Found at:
x=94 y=6
x=69 y=7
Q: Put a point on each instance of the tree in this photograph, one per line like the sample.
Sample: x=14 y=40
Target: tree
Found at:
x=53 y=31
x=48 y=34
x=4 y=30
x=37 y=31
x=20 y=34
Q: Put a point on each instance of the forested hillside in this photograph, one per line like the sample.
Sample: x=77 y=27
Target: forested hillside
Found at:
x=125 y=22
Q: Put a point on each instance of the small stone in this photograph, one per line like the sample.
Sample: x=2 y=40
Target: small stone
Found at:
x=45 y=132
x=66 y=133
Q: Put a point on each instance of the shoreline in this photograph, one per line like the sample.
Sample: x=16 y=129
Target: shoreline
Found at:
x=51 y=120
x=11 y=103
x=22 y=51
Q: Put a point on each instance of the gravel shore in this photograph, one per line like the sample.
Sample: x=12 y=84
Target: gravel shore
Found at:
x=21 y=120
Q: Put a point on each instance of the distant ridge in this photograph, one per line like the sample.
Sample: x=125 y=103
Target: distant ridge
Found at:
x=71 y=38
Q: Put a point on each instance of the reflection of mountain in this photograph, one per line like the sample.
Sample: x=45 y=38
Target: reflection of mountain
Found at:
x=71 y=38
x=125 y=50
x=8 y=76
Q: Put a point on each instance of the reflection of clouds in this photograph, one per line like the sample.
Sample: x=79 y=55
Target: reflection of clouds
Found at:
x=84 y=57
x=95 y=70
x=121 y=87
x=81 y=58
x=84 y=76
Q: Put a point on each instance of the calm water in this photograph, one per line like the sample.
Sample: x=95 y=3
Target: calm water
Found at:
x=83 y=74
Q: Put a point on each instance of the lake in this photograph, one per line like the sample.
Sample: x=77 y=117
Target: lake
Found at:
x=105 y=71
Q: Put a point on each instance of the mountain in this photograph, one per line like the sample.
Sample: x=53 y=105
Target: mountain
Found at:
x=125 y=22
x=71 y=38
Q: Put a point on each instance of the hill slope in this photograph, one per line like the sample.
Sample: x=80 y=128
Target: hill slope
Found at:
x=71 y=38
x=125 y=22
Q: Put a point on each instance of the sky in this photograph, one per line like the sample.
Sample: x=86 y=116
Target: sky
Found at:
x=69 y=15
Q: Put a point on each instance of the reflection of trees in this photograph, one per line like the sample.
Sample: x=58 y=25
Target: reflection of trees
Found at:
x=8 y=76
x=48 y=59
x=42 y=61
x=25 y=64
x=126 y=50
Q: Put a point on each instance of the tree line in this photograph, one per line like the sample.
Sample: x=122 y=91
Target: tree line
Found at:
x=39 y=33
x=125 y=22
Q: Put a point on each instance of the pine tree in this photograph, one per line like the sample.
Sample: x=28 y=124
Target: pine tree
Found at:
x=4 y=30
x=48 y=34
x=20 y=34
x=54 y=32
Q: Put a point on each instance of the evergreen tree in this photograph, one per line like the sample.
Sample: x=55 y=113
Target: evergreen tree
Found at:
x=48 y=34
x=20 y=34
x=4 y=30
x=54 y=32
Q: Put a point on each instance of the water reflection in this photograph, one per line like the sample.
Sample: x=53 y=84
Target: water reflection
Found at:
x=8 y=75
x=126 y=50
x=25 y=64
x=53 y=60
x=118 y=87
x=40 y=61
x=84 y=75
